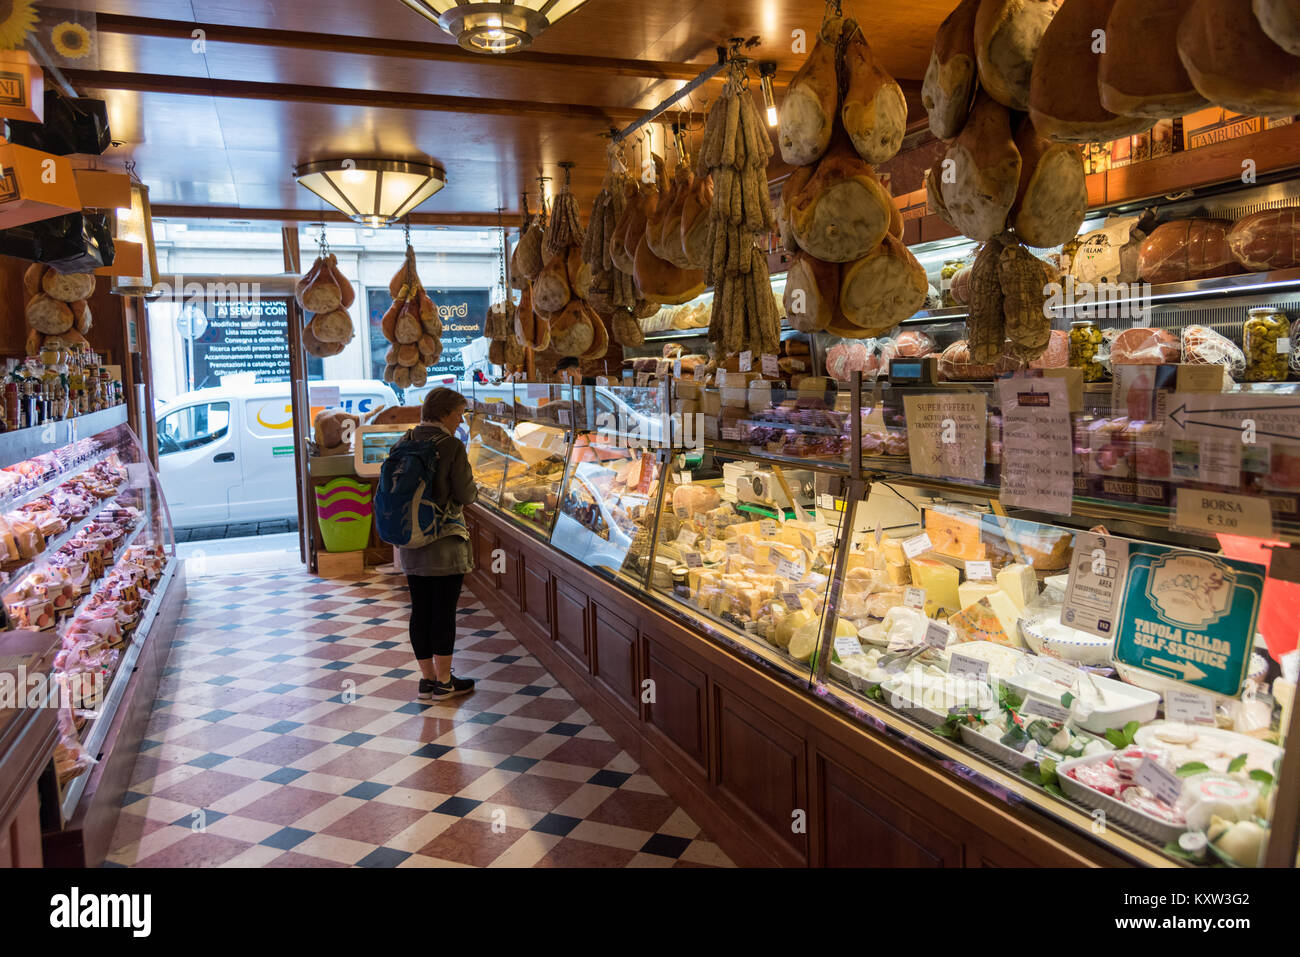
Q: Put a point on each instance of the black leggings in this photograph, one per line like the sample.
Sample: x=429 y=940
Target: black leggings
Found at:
x=433 y=613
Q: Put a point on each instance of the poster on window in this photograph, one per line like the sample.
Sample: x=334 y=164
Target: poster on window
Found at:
x=238 y=335
x=461 y=311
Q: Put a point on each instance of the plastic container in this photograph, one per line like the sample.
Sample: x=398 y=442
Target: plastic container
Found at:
x=1266 y=341
x=344 y=510
x=1085 y=350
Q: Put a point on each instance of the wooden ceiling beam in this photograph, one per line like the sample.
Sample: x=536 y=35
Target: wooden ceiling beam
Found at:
x=399 y=49
x=285 y=216
x=88 y=80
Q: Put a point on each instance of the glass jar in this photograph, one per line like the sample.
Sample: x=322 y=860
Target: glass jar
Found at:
x=950 y=269
x=1085 y=349
x=1295 y=353
x=1266 y=342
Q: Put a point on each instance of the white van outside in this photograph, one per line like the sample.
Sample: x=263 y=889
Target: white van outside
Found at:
x=226 y=454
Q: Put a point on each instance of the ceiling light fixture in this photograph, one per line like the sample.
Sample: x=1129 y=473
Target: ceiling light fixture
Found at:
x=767 y=70
x=484 y=26
x=372 y=192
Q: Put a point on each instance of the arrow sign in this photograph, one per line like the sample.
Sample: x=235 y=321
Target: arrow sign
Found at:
x=1237 y=428
x=1188 y=670
x=1184 y=411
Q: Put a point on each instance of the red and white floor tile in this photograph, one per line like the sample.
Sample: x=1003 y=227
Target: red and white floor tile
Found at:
x=287 y=733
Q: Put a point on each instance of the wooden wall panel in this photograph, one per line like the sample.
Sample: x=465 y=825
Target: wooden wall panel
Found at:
x=510 y=581
x=537 y=593
x=570 y=629
x=761 y=763
x=487 y=543
x=679 y=710
x=613 y=657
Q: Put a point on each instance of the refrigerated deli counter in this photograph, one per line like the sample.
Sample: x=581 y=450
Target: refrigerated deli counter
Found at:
x=916 y=625
x=92 y=593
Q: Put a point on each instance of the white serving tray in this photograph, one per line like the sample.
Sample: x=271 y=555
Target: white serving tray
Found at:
x=1116 y=810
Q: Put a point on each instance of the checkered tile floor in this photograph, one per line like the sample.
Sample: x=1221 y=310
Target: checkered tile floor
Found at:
x=287 y=733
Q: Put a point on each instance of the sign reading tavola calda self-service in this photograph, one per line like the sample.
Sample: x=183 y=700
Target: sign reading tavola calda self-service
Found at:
x=1190 y=616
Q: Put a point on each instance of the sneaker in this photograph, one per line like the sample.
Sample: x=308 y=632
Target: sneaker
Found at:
x=451 y=689
x=427 y=688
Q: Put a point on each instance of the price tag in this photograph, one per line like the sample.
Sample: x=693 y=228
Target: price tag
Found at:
x=914 y=598
x=846 y=645
x=682 y=512
x=790 y=571
x=733 y=547
x=1190 y=707
x=692 y=559
x=791 y=600
x=1284 y=345
x=937 y=635
x=825 y=536
x=767 y=527
x=960 y=664
x=826 y=501
x=746 y=361
x=642 y=379
x=1096 y=585
x=1055 y=672
x=917 y=545
x=1159 y=780
x=769 y=366
x=677 y=368
x=979 y=571
x=686 y=538
x=1216 y=513
x=1042 y=708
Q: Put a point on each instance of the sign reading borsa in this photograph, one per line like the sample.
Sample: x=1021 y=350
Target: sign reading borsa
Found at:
x=1190 y=616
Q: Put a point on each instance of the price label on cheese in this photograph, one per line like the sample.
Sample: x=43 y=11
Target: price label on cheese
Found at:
x=733 y=547
x=917 y=545
x=1189 y=707
x=960 y=664
x=914 y=598
x=1284 y=345
x=692 y=559
x=791 y=600
x=686 y=538
x=1055 y=672
x=677 y=368
x=682 y=512
x=1159 y=780
x=746 y=361
x=790 y=571
x=846 y=645
x=825 y=536
x=642 y=379
x=1040 y=707
x=767 y=527
x=826 y=501
x=937 y=635
x=979 y=571
x=769 y=366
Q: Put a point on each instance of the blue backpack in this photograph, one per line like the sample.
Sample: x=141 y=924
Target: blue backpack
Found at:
x=406 y=514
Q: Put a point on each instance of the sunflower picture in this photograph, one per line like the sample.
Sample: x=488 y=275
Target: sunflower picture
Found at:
x=71 y=40
x=17 y=18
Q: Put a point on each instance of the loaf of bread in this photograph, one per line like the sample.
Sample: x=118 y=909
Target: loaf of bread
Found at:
x=1233 y=63
x=980 y=175
x=1064 y=96
x=1140 y=73
x=1052 y=198
x=950 y=77
x=1280 y=19
x=1007 y=34
x=1187 y=249
x=1268 y=240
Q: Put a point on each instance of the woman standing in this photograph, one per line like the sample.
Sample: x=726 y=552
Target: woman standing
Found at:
x=436 y=572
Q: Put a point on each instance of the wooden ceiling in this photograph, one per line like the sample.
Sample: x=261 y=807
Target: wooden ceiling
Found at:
x=282 y=82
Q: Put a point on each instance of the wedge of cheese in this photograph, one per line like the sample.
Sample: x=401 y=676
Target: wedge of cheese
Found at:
x=788 y=625
x=955 y=535
x=1008 y=616
x=1020 y=583
x=939 y=580
x=969 y=593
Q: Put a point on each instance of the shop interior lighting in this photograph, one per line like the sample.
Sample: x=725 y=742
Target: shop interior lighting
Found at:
x=372 y=192
x=488 y=27
x=767 y=70
x=135 y=225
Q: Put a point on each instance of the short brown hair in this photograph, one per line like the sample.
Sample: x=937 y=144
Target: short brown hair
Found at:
x=440 y=403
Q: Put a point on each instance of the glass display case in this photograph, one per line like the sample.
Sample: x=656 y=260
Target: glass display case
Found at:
x=88 y=550
x=913 y=598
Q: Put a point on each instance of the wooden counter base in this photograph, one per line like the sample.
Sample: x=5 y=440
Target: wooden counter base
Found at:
x=774 y=776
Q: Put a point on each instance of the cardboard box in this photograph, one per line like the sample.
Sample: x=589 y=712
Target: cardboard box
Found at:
x=1217 y=125
x=128 y=260
x=100 y=189
x=34 y=186
x=22 y=87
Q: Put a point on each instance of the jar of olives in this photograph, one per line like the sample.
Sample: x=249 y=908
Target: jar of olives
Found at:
x=1085 y=348
x=950 y=269
x=1266 y=340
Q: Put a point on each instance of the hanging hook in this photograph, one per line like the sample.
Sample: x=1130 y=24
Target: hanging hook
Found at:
x=406 y=230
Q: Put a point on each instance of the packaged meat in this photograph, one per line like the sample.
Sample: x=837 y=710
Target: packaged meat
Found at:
x=1145 y=347
x=1057 y=354
x=1268 y=240
x=913 y=344
x=955 y=365
x=1109 y=254
x=1100 y=776
x=1188 y=249
x=1143 y=800
x=1203 y=346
